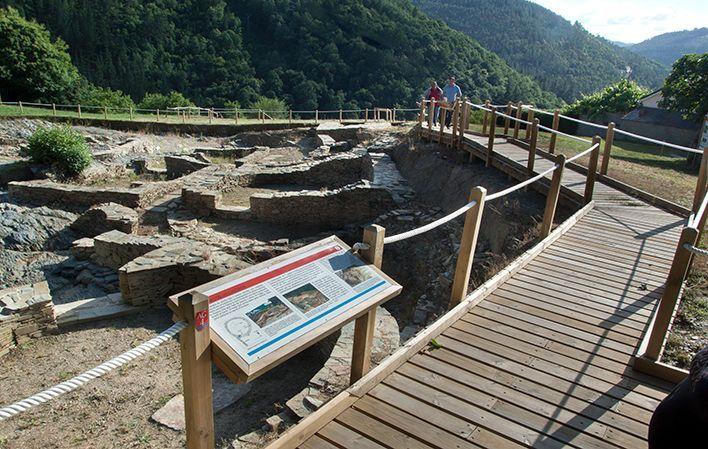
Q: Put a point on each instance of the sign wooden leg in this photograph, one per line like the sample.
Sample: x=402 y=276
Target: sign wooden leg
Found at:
x=364 y=326
x=196 y=371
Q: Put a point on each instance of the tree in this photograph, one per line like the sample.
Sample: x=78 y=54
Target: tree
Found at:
x=161 y=101
x=91 y=95
x=686 y=88
x=32 y=66
x=619 y=97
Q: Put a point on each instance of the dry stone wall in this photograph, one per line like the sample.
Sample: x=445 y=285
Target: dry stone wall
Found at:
x=26 y=312
x=106 y=217
x=114 y=248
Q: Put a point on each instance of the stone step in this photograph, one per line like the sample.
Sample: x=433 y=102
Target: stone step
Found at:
x=93 y=309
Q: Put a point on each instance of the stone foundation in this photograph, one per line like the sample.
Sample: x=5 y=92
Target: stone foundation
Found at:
x=150 y=279
x=26 y=312
x=355 y=203
x=178 y=166
x=43 y=192
x=106 y=217
x=114 y=249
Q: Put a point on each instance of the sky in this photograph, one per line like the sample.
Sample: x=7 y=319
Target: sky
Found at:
x=632 y=21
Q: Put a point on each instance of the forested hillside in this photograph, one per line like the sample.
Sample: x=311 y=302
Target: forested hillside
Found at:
x=563 y=57
x=668 y=47
x=311 y=53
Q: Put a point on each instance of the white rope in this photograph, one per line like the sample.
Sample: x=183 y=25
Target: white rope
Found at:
x=659 y=142
x=501 y=114
x=520 y=185
x=551 y=130
x=100 y=370
x=695 y=250
x=579 y=155
x=429 y=226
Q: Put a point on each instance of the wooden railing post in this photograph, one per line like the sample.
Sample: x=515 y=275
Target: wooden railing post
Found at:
x=441 y=122
x=468 y=243
x=609 y=138
x=492 y=131
x=131 y=113
x=554 y=136
x=702 y=182
x=340 y=116
x=592 y=170
x=317 y=116
x=105 y=113
x=195 y=349
x=517 y=123
x=672 y=290
x=464 y=123
x=54 y=109
x=455 y=124
x=365 y=325
x=22 y=110
x=421 y=115
x=78 y=108
x=507 y=120
x=529 y=118
x=552 y=199
x=485 y=121
x=236 y=116
x=532 y=148
x=262 y=116
x=431 y=116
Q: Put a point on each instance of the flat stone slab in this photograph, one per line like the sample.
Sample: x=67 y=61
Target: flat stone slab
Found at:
x=93 y=309
x=225 y=393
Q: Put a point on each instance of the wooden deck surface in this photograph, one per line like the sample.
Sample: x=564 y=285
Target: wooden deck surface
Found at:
x=543 y=361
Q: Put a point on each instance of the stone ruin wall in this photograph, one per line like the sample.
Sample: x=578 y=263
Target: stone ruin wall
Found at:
x=26 y=312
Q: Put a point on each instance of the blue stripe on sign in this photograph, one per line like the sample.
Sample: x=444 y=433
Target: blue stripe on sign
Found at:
x=312 y=320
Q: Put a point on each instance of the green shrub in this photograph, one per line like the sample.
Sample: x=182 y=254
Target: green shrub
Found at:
x=270 y=106
x=619 y=97
x=162 y=101
x=113 y=100
x=61 y=147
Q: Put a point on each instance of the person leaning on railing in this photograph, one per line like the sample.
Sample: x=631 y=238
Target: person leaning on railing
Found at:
x=451 y=93
x=434 y=93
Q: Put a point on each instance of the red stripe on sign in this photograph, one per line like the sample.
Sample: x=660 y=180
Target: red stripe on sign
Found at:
x=271 y=274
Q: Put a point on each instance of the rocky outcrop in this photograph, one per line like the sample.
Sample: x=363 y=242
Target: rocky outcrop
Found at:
x=34 y=229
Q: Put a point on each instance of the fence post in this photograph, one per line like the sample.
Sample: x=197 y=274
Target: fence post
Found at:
x=702 y=182
x=554 y=136
x=184 y=116
x=366 y=115
x=105 y=113
x=609 y=138
x=365 y=325
x=195 y=351
x=290 y=117
x=507 y=121
x=672 y=290
x=455 y=125
x=54 y=110
x=532 y=147
x=262 y=116
x=592 y=169
x=443 y=116
x=468 y=243
x=431 y=116
x=78 y=107
x=529 y=118
x=22 y=110
x=492 y=131
x=552 y=198
x=517 y=123
x=485 y=119
x=421 y=115
x=131 y=113
x=393 y=117
x=317 y=116
x=340 y=116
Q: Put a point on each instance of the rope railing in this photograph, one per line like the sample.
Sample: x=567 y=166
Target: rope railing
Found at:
x=561 y=133
x=521 y=185
x=695 y=249
x=80 y=380
x=430 y=226
x=583 y=153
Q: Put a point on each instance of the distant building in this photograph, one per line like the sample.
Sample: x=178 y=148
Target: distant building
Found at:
x=651 y=120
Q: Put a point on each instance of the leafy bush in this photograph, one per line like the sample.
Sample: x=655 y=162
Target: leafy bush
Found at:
x=62 y=147
x=274 y=107
x=619 y=97
x=233 y=104
x=161 y=101
x=32 y=66
x=685 y=88
x=114 y=100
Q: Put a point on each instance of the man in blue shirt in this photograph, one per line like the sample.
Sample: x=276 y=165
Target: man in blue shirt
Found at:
x=451 y=93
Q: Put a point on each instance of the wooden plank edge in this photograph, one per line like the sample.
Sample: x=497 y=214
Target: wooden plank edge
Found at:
x=658 y=369
x=313 y=423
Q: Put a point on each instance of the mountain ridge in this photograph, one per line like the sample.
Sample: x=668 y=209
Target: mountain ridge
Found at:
x=668 y=47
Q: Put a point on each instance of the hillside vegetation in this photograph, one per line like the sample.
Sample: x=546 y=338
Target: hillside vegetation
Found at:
x=322 y=54
x=668 y=47
x=563 y=57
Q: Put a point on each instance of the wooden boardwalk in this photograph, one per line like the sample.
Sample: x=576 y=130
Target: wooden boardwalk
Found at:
x=542 y=360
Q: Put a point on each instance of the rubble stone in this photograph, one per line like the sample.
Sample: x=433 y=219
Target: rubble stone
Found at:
x=106 y=217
